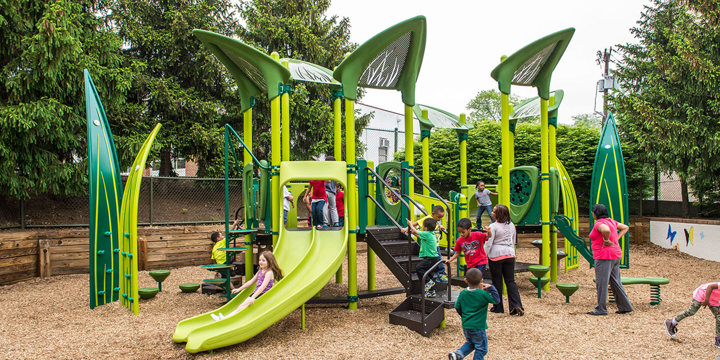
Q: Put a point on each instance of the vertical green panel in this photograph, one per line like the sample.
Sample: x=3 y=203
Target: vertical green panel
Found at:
x=128 y=218
x=106 y=193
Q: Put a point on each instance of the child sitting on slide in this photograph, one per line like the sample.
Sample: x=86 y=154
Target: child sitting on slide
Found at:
x=268 y=273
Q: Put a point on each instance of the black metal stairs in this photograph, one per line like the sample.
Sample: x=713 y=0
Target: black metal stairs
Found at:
x=400 y=255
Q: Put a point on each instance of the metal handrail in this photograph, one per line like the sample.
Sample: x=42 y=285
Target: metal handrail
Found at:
x=387 y=186
x=447 y=206
x=227 y=126
x=422 y=292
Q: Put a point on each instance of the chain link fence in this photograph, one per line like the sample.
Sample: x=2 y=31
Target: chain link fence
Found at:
x=163 y=201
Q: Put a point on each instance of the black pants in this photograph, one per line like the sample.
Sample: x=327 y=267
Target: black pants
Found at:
x=424 y=265
x=505 y=270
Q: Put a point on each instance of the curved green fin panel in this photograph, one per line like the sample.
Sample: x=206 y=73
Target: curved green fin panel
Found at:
x=609 y=184
x=128 y=218
x=533 y=64
x=531 y=107
x=309 y=72
x=389 y=60
x=254 y=71
x=438 y=118
x=106 y=193
x=570 y=207
x=523 y=188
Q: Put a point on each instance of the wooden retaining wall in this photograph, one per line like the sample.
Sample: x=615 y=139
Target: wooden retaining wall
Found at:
x=46 y=252
x=42 y=253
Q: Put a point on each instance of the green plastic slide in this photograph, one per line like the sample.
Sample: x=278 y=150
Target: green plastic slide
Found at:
x=308 y=259
x=563 y=225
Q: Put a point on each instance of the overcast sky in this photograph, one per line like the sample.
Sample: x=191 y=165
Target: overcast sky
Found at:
x=466 y=39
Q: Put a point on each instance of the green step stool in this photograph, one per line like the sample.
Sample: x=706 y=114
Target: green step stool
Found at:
x=148 y=292
x=159 y=276
x=539 y=279
x=189 y=287
x=567 y=289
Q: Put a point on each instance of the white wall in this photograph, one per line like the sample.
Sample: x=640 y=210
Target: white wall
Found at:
x=699 y=240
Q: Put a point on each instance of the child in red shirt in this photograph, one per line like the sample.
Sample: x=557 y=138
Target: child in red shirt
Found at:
x=319 y=198
x=471 y=244
x=340 y=205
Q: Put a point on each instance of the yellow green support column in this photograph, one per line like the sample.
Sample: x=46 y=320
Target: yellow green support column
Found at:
x=337 y=131
x=506 y=145
x=409 y=152
x=351 y=202
x=545 y=186
x=463 y=158
x=285 y=99
x=371 y=221
x=425 y=139
x=275 y=161
x=247 y=159
x=552 y=153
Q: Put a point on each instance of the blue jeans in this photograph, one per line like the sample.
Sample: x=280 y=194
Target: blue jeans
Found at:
x=481 y=208
x=441 y=267
x=475 y=339
x=317 y=212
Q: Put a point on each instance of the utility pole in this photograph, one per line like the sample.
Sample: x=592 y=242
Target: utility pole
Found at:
x=603 y=58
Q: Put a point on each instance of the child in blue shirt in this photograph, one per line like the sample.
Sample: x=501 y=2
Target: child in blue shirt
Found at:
x=472 y=305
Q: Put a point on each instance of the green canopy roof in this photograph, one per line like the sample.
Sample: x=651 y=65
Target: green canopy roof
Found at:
x=531 y=107
x=389 y=60
x=438 y=118
x=309 y=72
x=254 y=71
x=533 y=64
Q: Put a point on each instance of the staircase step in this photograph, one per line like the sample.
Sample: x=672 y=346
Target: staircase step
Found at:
x=442 y=298
x=408 y=314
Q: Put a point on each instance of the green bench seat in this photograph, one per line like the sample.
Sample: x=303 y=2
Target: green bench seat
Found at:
x=654 y=283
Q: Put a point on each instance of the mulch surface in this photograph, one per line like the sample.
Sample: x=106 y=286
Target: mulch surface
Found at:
x=52 y=319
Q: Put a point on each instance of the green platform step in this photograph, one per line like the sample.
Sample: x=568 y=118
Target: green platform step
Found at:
x=567 y=289
x=189 y=287
x=159 y=276
x=148 y=292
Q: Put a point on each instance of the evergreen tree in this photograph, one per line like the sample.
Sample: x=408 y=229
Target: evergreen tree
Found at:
x=181 y=84
x=44 y=47
x=299 y=30
x=668 y=104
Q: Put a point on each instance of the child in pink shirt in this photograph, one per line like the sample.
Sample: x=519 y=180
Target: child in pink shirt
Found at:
x=706 y=295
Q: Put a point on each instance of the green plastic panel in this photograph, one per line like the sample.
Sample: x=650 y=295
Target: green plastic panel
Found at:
x=389 y=60
x=609 y=184
x=248 y=193
x=390 y=172
x=254 y=71
x=533 y=64
x=105 y=198
x=438 y=118
x=530 y=108
x=570 y=208
x=523 y=189
x=128 y=259
x=309 y=72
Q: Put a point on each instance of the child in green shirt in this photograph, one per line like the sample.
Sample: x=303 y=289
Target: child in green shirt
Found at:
x=428 y=252
x=472 y=305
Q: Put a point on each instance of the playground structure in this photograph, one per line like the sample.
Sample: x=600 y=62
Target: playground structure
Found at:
x=375 y=207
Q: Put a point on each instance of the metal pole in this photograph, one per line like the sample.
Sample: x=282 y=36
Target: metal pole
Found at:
x=22 y=214
x=151 y=199
x=545 y=185
x=396 y=141
x=247 y=159
x=351 y=202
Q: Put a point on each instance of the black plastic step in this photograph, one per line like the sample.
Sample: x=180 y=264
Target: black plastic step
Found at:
x=408 y=314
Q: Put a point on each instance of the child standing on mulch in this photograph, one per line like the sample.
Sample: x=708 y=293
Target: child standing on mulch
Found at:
x=472 y=305
x=428 y=252
x=471 y=244
x=319 y=198
x=706 y=295
x=340 y=204
x=264 y=279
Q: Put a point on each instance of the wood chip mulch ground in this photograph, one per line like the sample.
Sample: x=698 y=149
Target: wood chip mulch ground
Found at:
x=51 y=319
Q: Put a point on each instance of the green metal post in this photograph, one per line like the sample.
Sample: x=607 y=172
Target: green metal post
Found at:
x=150 y=211
x=545 y=186
x=370 y=221
x=552 y=159
x=302 y=317
x=337 y=131
x=425 y=138
x=410 y=151
x=247 y=159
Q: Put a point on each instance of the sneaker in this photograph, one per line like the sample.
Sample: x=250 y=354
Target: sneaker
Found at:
x=443 y=279
x=453 y=356
x=670 y=328
x=429 y=285
x=430 y=294
x=319 y=227
x=717 y=342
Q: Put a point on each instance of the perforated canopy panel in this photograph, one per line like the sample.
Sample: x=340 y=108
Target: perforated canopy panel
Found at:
x=384 y=71
x=251 y=71
x=305 y=71
x=529 y=70
x=531 y=107
x=438 y=118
